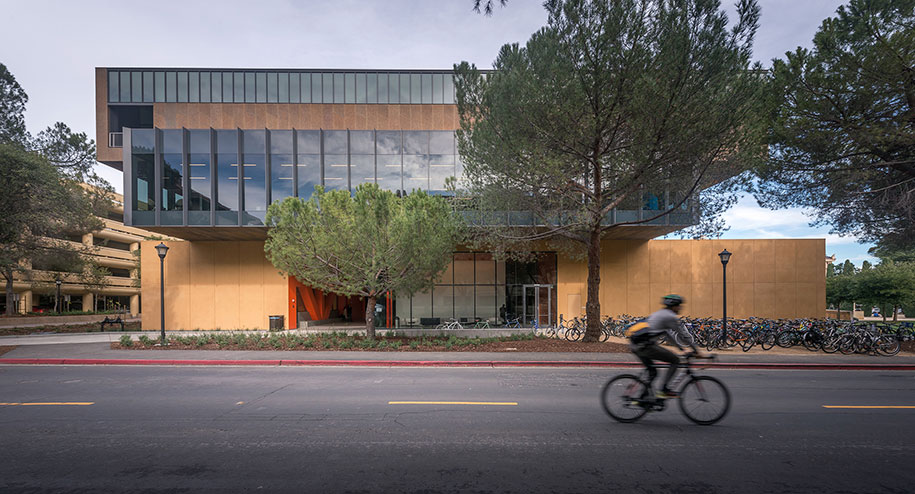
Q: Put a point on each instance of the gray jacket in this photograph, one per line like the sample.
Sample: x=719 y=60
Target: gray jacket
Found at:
x=664 y=321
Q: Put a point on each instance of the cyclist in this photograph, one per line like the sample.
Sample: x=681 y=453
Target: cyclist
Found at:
x=644 y=336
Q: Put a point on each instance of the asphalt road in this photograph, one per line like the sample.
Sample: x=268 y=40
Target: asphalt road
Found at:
x=199 y=429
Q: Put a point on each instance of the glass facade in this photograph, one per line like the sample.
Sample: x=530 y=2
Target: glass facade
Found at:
x=199 y=173
x=265 y=86
x=172 y=177
x=204 y=166
x=143 y=181
x=476 y=287
x=199 y=178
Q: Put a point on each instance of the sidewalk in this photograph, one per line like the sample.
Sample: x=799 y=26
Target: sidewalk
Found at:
x=94 y=349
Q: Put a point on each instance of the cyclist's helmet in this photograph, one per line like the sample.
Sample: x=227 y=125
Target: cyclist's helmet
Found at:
x=672 y=300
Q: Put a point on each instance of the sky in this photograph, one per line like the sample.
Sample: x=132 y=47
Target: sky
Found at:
x=52 y=47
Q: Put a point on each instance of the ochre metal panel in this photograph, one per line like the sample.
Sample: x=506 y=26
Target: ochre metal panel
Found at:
x=806 y=300
x=763 y=252
x=810 y=262
x=740 y=299
x=638 y=261
x=786 y=261
x=659 y=262
x=203 y=294
x=740 y=268
x=149 y=267
x=251 y=283
x=786 y=300
x=212 y=285
x=764 y=303
x=680 y=261
x=227 y=286
x=636 y=301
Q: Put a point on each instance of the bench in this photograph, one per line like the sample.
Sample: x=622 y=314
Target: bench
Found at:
x=110 y=321
x=430 y=321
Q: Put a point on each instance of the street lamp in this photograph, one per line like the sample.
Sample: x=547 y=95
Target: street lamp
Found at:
x=58 y=296
x=725 y=256
x=162 y=249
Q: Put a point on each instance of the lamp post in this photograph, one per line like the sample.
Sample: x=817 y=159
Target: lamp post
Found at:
x=58 y=296
x=162 y=249
x=725 y=256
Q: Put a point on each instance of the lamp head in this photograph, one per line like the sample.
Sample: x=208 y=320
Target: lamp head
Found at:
x=725 y=256
x=58 y=282
x=162 y=249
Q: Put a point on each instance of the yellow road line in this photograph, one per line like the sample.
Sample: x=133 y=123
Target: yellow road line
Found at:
x=63 y=403
x=495 y=403
x=868 y=406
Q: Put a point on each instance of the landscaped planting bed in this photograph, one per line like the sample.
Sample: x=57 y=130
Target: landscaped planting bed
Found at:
x=343 y=342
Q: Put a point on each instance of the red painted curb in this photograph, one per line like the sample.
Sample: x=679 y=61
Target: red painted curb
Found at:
x=446 y=363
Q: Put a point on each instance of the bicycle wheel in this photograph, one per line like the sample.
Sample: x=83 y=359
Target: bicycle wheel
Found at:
x=604 y=335
x=621 y=398
x=831 y=344
x=812 y=341
x=767 y=340
x=888 y=345
x=704 y=400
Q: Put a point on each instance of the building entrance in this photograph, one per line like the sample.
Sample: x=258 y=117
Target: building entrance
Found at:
x=537 y=305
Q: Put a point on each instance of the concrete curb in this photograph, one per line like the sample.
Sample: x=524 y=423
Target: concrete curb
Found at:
x=441 y=363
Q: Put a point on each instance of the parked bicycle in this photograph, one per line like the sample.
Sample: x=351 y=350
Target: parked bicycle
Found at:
x=450 y=324
x=704 y=400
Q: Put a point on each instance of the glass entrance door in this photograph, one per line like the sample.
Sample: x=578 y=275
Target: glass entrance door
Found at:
x=538 y=304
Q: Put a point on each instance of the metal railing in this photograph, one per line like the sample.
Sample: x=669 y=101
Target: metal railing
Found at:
x=115 y=139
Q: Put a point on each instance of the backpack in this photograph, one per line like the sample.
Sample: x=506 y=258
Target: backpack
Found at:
x=635 y=327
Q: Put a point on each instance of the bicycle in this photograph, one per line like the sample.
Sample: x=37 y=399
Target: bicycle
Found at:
x=513 y=323
x=481 y=324
x=704 y=400
x=450 y=324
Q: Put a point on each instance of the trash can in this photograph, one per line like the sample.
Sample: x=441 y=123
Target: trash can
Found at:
x=276 y=323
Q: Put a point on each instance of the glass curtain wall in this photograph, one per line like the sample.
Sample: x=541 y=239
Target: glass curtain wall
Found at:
x=220 y=86
x=416 y=160
x=209 y=165
x=282 y=165
x=308 y=161
x=362 y=157
x=199 y=177
x=143 y=165
x=172 y=177
x=389 y=149
x=336 y=159
x=472 y=288
x=254 y=172
x=227 y=177
x=441 y=160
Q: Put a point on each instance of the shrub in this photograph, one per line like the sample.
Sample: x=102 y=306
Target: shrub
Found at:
x=145 y=340
x=126 y=341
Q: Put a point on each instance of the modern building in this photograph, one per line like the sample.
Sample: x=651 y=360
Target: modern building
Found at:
x=112 y=247
x=204 y=151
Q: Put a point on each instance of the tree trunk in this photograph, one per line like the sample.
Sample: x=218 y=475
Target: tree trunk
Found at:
x=592 y=306
x=895 y=313
x=10 y=309
x=370 y=317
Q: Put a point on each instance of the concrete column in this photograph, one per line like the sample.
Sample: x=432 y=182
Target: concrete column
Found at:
x=25 y=302
x=87 y=302
x=135 y=274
